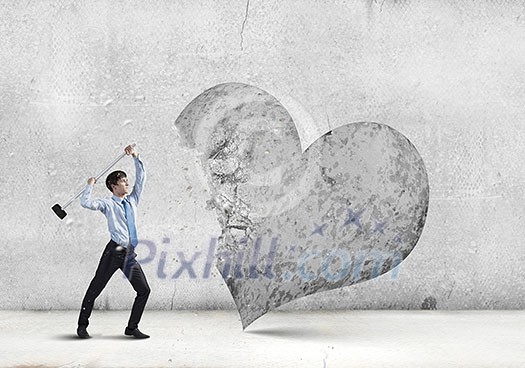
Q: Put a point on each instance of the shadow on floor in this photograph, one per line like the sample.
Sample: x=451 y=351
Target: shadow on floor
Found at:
x=96 y=336
x=67 y=337
x=305 y=333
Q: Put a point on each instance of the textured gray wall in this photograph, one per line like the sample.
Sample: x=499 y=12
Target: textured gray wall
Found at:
x=79 y=80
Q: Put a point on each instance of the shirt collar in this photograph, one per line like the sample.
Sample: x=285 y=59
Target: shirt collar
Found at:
x=117 y=199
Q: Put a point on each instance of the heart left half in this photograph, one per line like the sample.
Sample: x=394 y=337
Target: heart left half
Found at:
x=348 y=209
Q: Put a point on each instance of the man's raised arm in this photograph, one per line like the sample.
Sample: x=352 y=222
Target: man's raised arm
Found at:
x=140 y=174
x=92 y=204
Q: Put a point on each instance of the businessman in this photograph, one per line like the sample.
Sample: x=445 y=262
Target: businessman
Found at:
x=120 y=210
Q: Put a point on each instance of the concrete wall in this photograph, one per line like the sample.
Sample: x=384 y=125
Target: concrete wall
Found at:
x=79 y=80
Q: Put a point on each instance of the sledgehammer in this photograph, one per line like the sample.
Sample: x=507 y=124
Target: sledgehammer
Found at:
x=59 y=210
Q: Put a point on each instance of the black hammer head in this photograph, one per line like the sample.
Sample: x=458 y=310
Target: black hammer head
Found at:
x=59 y=211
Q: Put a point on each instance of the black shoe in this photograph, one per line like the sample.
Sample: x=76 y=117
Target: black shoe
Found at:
x=135 y=333
x=82 y=332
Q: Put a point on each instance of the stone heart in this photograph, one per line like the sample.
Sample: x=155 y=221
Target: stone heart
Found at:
x=348 y=209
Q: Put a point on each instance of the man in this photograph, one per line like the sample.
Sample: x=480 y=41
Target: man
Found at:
x=120 y=211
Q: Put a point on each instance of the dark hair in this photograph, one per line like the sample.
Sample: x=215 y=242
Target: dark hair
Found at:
x=114 y=178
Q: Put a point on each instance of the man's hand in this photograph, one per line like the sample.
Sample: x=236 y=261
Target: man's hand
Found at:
x=91 y=181
x=131 y=151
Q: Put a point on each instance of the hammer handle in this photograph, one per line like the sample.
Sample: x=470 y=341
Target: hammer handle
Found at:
x=106 y=169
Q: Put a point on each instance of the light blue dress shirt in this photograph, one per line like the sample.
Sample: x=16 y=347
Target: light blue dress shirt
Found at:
x=113 y=208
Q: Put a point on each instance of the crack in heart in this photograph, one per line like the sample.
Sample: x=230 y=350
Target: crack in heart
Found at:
x=356 y=200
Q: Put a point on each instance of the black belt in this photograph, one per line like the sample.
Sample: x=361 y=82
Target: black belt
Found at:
x=117 y=246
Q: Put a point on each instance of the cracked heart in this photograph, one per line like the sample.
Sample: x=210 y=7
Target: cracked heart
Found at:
x=348 y=209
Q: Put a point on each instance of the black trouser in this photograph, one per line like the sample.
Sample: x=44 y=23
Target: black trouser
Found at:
x=112 y=259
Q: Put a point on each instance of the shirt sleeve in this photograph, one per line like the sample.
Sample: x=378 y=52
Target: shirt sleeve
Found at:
x=94 y=204
x=140 y=178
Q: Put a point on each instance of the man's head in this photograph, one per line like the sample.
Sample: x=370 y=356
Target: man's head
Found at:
x=117 y=183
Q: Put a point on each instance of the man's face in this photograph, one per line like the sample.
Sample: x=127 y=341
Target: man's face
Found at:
x=122 y=187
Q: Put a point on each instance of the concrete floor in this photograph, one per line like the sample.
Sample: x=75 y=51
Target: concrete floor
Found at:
x=279 y=339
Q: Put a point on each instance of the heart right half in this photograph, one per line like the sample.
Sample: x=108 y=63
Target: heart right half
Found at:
x=348 y=209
